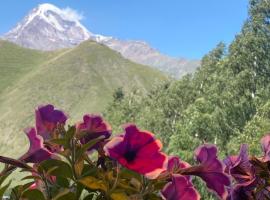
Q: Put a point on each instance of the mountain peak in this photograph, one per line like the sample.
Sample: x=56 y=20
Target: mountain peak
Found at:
x=48 y=27
x=48 y=6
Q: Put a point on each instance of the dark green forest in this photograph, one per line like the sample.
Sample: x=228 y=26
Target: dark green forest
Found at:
x=225 y=102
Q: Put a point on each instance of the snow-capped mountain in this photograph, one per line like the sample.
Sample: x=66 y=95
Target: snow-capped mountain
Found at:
x=48 y=27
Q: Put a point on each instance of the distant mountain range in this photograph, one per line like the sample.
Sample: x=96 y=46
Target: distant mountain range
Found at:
x=48 y=27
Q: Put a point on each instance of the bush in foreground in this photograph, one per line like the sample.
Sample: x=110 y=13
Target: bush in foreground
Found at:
x=84 y=161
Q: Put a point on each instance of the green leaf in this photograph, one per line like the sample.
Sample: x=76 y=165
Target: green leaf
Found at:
x=4 y=177
x=152 y=197
x=31 y=177
x=65 y=195
x=50 y=171
x=70 y=133
x=93 y=183
x=3 y=190
x=126 y=173
x=79 y=165
x=60 y=141
x=91 y=196
x=33 y=194
x=119 y=196
x=62 y=182
x=56 y=168
x=86 y=146
x=79 y=190
x=89 y=171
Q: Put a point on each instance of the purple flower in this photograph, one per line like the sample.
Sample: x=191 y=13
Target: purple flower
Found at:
x=239 y=167
x=243 y=173
x=47 y=119
x=242 y=191
x=211 y=170
x=92 y=127
x=175 y=163
x=37 y=152
x=180 y=188
x=138 y=151
x=265 y=143
x=229 y=162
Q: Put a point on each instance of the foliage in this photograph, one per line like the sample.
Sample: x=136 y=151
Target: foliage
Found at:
x=225 y=102
x=85 y=162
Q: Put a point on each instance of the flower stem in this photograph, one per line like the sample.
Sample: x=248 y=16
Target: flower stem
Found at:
x=47 y=188
x=73 y=157
x=116 y=179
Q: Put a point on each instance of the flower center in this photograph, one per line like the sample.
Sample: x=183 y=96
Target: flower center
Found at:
x=130 y=156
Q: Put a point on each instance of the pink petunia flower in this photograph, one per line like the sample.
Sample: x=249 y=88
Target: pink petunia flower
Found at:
x=139 y=151
x=47 y=119
x=210 y=170
x=93 y=126
x=37 y=152
x=243 y=173
x=175 y=163
x=180 y=188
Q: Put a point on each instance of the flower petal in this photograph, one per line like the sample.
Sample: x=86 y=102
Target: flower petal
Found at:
x=265 y=143
x=229 y=162
x=138 y=150
x=137 y=139
x=242 y=170
x=93 y=126
x=37 y=152
x=47 y=119
x=175 y=163
x=151 y=166
x=180 y=188
x=211 y=170
x=115 y=148
x=243 y=191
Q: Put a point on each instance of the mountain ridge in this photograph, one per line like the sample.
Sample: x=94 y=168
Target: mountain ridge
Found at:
x=48 y=28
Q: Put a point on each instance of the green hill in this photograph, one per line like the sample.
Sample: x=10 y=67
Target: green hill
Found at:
x=78 y=80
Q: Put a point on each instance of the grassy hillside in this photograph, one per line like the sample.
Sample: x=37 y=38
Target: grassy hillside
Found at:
x=16 y=62
x=78 y=80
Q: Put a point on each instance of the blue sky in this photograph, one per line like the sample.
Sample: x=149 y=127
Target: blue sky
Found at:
x=180 y=28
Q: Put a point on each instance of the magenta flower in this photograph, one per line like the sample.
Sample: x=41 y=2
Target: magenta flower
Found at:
x=211 y=170
x=180 y=188
x=265 y=143
x=93 y=126
x=47 y=119
x=175 y=163
x=243 y=173
x=138 y=151
x=242 y=191
x=37 y=152
x=239 y=166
